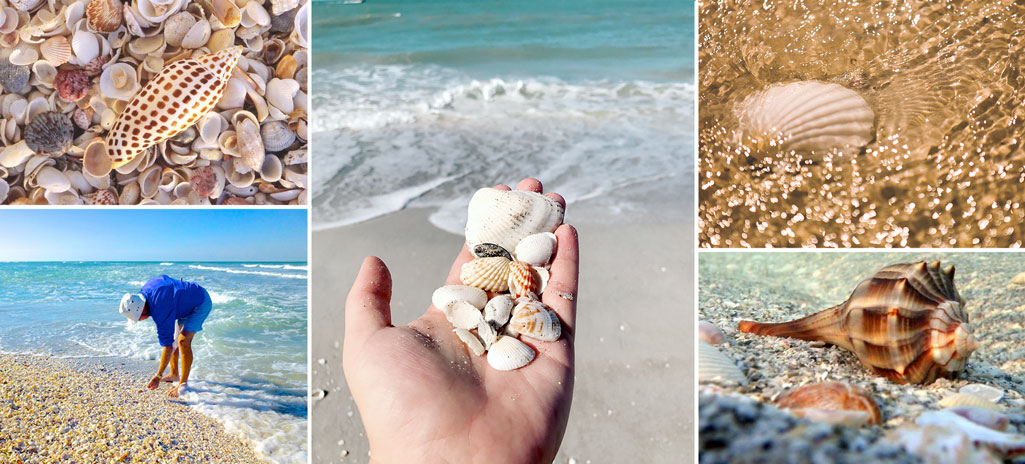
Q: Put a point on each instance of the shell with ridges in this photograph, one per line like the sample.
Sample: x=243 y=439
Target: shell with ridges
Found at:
x=444 y=296
x=533 y=319
x=806 y=117
x=714 y=366
x=56 y=50
x=250 y=143
x=522 y=280
x=104 y=15
x=102 y=197
x=987 y=392
x=485 y=250
x=173 y=100
x=967 y=400
x=906 y=323
x=471 y=341
x=49 y=133
x=506 y=217
x=832 y=396
x=488 y=274
x=508 y=353
x=72 y=84
x=276 y=136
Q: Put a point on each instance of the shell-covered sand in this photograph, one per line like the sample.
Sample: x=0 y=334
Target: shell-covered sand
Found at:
x=783 y=286
x=55 y=410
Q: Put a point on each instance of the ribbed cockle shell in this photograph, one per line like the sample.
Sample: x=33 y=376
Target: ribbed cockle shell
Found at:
x=488 y=274
x=906 y=323
x=522 y=281
x=173 y=100
x=832 y=396
x=533 y=319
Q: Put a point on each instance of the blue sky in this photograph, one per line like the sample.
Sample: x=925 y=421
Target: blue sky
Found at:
x=211 y=234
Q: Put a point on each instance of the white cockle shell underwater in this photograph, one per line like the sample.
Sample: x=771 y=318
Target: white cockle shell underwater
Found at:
x=506 y=217
x=508 y=353
x=806 y=117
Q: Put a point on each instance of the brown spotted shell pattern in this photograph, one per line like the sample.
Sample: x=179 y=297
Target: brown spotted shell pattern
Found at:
x=171 y=102
x=906 y=323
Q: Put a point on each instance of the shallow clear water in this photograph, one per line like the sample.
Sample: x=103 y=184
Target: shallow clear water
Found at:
x=250 y=370
x=946 y=167
x=421 y=103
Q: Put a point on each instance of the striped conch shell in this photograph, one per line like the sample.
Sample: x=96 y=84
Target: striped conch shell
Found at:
x=171 y=102
x=906 y=323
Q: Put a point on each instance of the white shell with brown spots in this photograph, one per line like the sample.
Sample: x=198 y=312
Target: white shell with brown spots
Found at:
x=171 y=102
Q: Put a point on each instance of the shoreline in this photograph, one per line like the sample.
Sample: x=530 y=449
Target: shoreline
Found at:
x=97 y=409
x=633 y=378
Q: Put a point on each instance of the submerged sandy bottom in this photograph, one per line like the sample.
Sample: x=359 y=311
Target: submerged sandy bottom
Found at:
x=945 y=167
x=96 y=410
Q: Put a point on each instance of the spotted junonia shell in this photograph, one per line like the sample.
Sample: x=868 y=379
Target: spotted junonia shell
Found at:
x=177 y=97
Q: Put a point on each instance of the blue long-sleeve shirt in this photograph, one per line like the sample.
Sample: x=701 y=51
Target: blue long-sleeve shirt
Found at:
x=169 y=300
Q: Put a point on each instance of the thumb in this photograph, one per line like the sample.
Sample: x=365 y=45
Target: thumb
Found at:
x=368 y=307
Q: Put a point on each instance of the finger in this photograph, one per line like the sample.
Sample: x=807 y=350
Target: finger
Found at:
x=457 y=266
x=561 y=292
x=502 y=187
x=558 y=199
x=368 y=307
x=530 y=184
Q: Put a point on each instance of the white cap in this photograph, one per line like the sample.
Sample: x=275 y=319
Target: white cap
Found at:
x=131 y=306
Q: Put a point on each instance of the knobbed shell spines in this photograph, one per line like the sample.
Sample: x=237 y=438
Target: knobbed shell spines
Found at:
x=488 y=274
x=907 y=323
x=807 y=117
x=173 y=100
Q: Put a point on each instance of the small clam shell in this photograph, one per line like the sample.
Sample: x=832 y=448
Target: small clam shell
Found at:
x=471 y=341
x=44 y=73
x=448 y=294
x=149 y=181
x=522 y=281
x=226 y=12
x=102 y=197
x=983 y=391
x=50 y=133
x=499 y=310
x=295 y=157
x=709 y=333
x=198 y=35
x=281 y=6
x=833 y=396
x=956 y=400
x=488 y=274
x=129 y=194
x=277 y=136
x=250 y=143
x=24 y=55
x=14 y=78
x=253 y=14
x=485 y=250
x=104 y=15
x=533 y=319
x=508 y=353
x=221 y=39
x=286 y=67
x=86 y=47
x=96 y=160
x=537 y=249
x=300 y=31
x=271 y=170
x=52 y=179
x=71 y=84
x=714 y=366
x=463 y=315
x=56 y=50
x=5 y=189
x=177 y=26
x=207 y=181
x=119 y=82
x=281 y=92
x=233 y=200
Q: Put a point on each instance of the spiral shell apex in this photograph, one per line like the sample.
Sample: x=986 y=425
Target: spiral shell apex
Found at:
x=906 y=323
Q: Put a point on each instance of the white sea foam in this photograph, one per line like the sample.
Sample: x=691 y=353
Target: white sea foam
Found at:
x=241 y=271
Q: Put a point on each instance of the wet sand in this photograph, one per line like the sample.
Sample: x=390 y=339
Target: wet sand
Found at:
x=97 y=410
x=634 y=374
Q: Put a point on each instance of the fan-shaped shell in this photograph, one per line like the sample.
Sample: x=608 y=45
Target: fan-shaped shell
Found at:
x=277 y=136
x=104 y=15
x=508 y=353
x=522 y=280
x=102 y=197
x=49 y=133
x=832 y=396
x=714 y=366
x=806 y=117
x=506 y=217
x=967 y=400
x=71 y=84
x=13 y=78
x=488 y=274
x=537 y=249
x=56 y=50
x=250 y=143
x=173 y=100
x=448 y=294
x=533 y=319
x=906 y=323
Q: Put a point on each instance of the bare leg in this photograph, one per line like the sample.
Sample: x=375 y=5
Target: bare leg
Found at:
x=173 y=376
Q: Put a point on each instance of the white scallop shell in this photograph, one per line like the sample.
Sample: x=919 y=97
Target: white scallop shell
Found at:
x=56 y=50
x=499 y=309
x=444 y=296
x=536 y=250
x=532 y=319
x=463 y=315
x=714 y=366
x=119 y=81
x=471 y=341
x=508 y=353
x=506 y=217
x=277 y=136
x=807 y=117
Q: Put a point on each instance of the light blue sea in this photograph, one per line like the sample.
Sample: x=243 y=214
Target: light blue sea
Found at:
x=418 y=103
x=250 y=370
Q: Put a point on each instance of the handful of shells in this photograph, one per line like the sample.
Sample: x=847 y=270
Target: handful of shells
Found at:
x=153 y=102
x=510 y=234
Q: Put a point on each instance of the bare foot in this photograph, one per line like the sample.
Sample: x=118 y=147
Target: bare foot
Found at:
x=177 y=390
x=153 y=383
x=169 y=378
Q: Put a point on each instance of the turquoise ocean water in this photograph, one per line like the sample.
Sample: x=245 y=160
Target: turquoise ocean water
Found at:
x=418 y=103
x=250 y=371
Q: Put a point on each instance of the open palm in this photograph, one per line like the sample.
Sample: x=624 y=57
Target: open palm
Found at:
x=424 y=397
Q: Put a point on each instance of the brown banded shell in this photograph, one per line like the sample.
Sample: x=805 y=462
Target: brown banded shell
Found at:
x=906 y=323
x=533 y=319
x=104 y=15
x=832 y=396
x=49 y=133
x=522 y=281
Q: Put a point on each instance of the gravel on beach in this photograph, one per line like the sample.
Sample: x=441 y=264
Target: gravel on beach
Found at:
x=75 y=410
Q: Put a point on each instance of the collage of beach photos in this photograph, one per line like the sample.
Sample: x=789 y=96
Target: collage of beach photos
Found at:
x=478 y=231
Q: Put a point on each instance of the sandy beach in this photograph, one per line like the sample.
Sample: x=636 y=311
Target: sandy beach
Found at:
x=632 y=401
x=783 y=286
x=97 y=410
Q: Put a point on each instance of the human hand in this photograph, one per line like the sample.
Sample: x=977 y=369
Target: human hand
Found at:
x=423 y=396
x=153 y=383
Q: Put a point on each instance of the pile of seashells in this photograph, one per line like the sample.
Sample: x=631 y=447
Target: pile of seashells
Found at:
x=153 y=102
x=500 y=221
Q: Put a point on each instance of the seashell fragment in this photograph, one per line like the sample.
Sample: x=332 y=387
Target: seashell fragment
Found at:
x=102 y=197
x=206 y=181
x=940 y=445
x=967 y=400
x=806 y=117
x=522 y=281
x=487 y=250
x=537 y=249
x=983 y=391
x=506 y=217
x=985 y=417
x=49 y=133
x=463 y=315
x=281 y=6
x=486 y=333
x=499 y=310
x=71 y=84
x=808 y=400
x=119 y=82
x=13 y=78
x=533 y=319
x=172 y=101
x=1005 y=444
x=508 y=353
x=448 y=294
x=177 y=26
x=714 y=366
x=250 y=144
x=709 y=333
x=471 y=341
x=906 y=323
x=104 y=15
x=488 y=274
